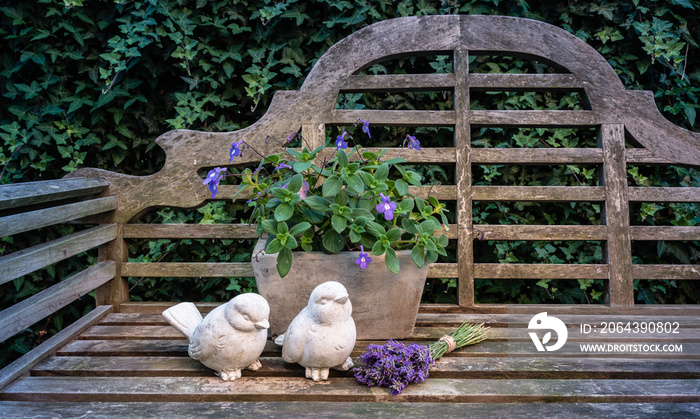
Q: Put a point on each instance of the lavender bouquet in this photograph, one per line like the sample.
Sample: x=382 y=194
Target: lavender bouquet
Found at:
x=395 y=365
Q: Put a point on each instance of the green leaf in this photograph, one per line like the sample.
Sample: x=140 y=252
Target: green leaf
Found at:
x=382 y=172
x=392 y=262
x=375 y=229
x=401 y=187
x=410 y=226
x=284 y=261
x=378 y=248
x=300 y=166
x=312 y=216
x=406 y=205
x=333 y=242
x=280 y=193
x=295 y=183
x=274 y=246
x=339 y=223
x=418 y=255
x=355 y=184
x=332 y=186
x=342 y=158
x=394 y=234
x=317 y=203
x=299 y=228
x=282 y=227
x=284 y=211
x=270 y=226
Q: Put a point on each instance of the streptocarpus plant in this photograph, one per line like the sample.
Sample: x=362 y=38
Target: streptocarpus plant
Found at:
x=336 y=198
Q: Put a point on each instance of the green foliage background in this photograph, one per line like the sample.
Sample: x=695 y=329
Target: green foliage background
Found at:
x=92 y=83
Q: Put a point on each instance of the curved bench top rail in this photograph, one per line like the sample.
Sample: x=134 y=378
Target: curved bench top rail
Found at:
x=31 y=193
x=336 y=71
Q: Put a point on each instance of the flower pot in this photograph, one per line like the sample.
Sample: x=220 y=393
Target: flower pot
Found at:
x=384 y=305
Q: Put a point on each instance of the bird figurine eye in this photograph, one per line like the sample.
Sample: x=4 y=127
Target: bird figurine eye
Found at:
x=323 y=301
x=246 y=317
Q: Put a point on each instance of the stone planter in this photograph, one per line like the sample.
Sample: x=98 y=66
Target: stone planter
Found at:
x=384 y=305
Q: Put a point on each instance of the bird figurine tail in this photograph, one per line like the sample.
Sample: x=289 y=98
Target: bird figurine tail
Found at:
x=184 y=317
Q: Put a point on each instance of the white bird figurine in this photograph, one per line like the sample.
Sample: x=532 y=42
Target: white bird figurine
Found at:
x=228 y=339
x=322 y=335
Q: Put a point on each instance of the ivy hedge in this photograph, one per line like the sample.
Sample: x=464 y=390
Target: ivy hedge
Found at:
x=92 y=83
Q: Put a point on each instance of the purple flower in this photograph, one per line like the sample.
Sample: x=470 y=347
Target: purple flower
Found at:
x=363 y=260
x=340 y=141
x=413 y=142
x=212 y=180
x=386 y=207
x=303 y=192
x=365 y=127
x=394 y=365
x=282 y=166
x=235 y=150
x=291 y=137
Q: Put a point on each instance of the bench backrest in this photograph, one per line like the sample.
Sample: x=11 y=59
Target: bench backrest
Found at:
x=618 y=115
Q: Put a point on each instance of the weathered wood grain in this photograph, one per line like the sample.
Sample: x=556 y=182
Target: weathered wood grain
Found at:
x=321 y=410
x=539 y=271
x=187 y=269
x=543 y=119
x=29 y=193
x=212 y=389
x=24 y=364
x=663 y=194
x=538 y=193
x=189 y=231
x=673 y=272
x=536 y=156
x=665 y=232
x=29 y=260
x=394 y=118
x=397 y=83
x=31 y=310
x=523 y=82
x=450 y=367
x=542 y=232
x=19 y=223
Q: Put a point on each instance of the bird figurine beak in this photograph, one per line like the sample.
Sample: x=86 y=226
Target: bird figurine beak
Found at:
x=262 y=324
x=341 y=299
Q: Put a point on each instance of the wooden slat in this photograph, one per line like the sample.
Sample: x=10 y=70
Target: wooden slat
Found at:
x=186 y=269
x=449 y=367
x=189 y=231
x=665 y=232
x=394 y=118
x=674 y=272
x=21 y=194
x=443 y=270
x=427 y=155
x=532 y=118
x=11 y=409
x=642 y=156
x=663 y=194
x=29 y=260
x=36 y=355
x=27 y=221
x=40 y=305
x=539 y=271
x=543 y=232
x=397 y=83
x=538 y=193
x=537 y=155
x=212 y=389
x=520 y=82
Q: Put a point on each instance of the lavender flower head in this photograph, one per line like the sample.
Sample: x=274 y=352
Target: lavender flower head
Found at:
x=413 y=142
x=386 y=207
x=282 y=166
x=340 y=141
x=212 y=180
x=394 y=365
x=363 y=260
x=235 y=150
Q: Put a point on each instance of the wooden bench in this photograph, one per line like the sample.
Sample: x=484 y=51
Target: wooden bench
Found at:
x=124 y=359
